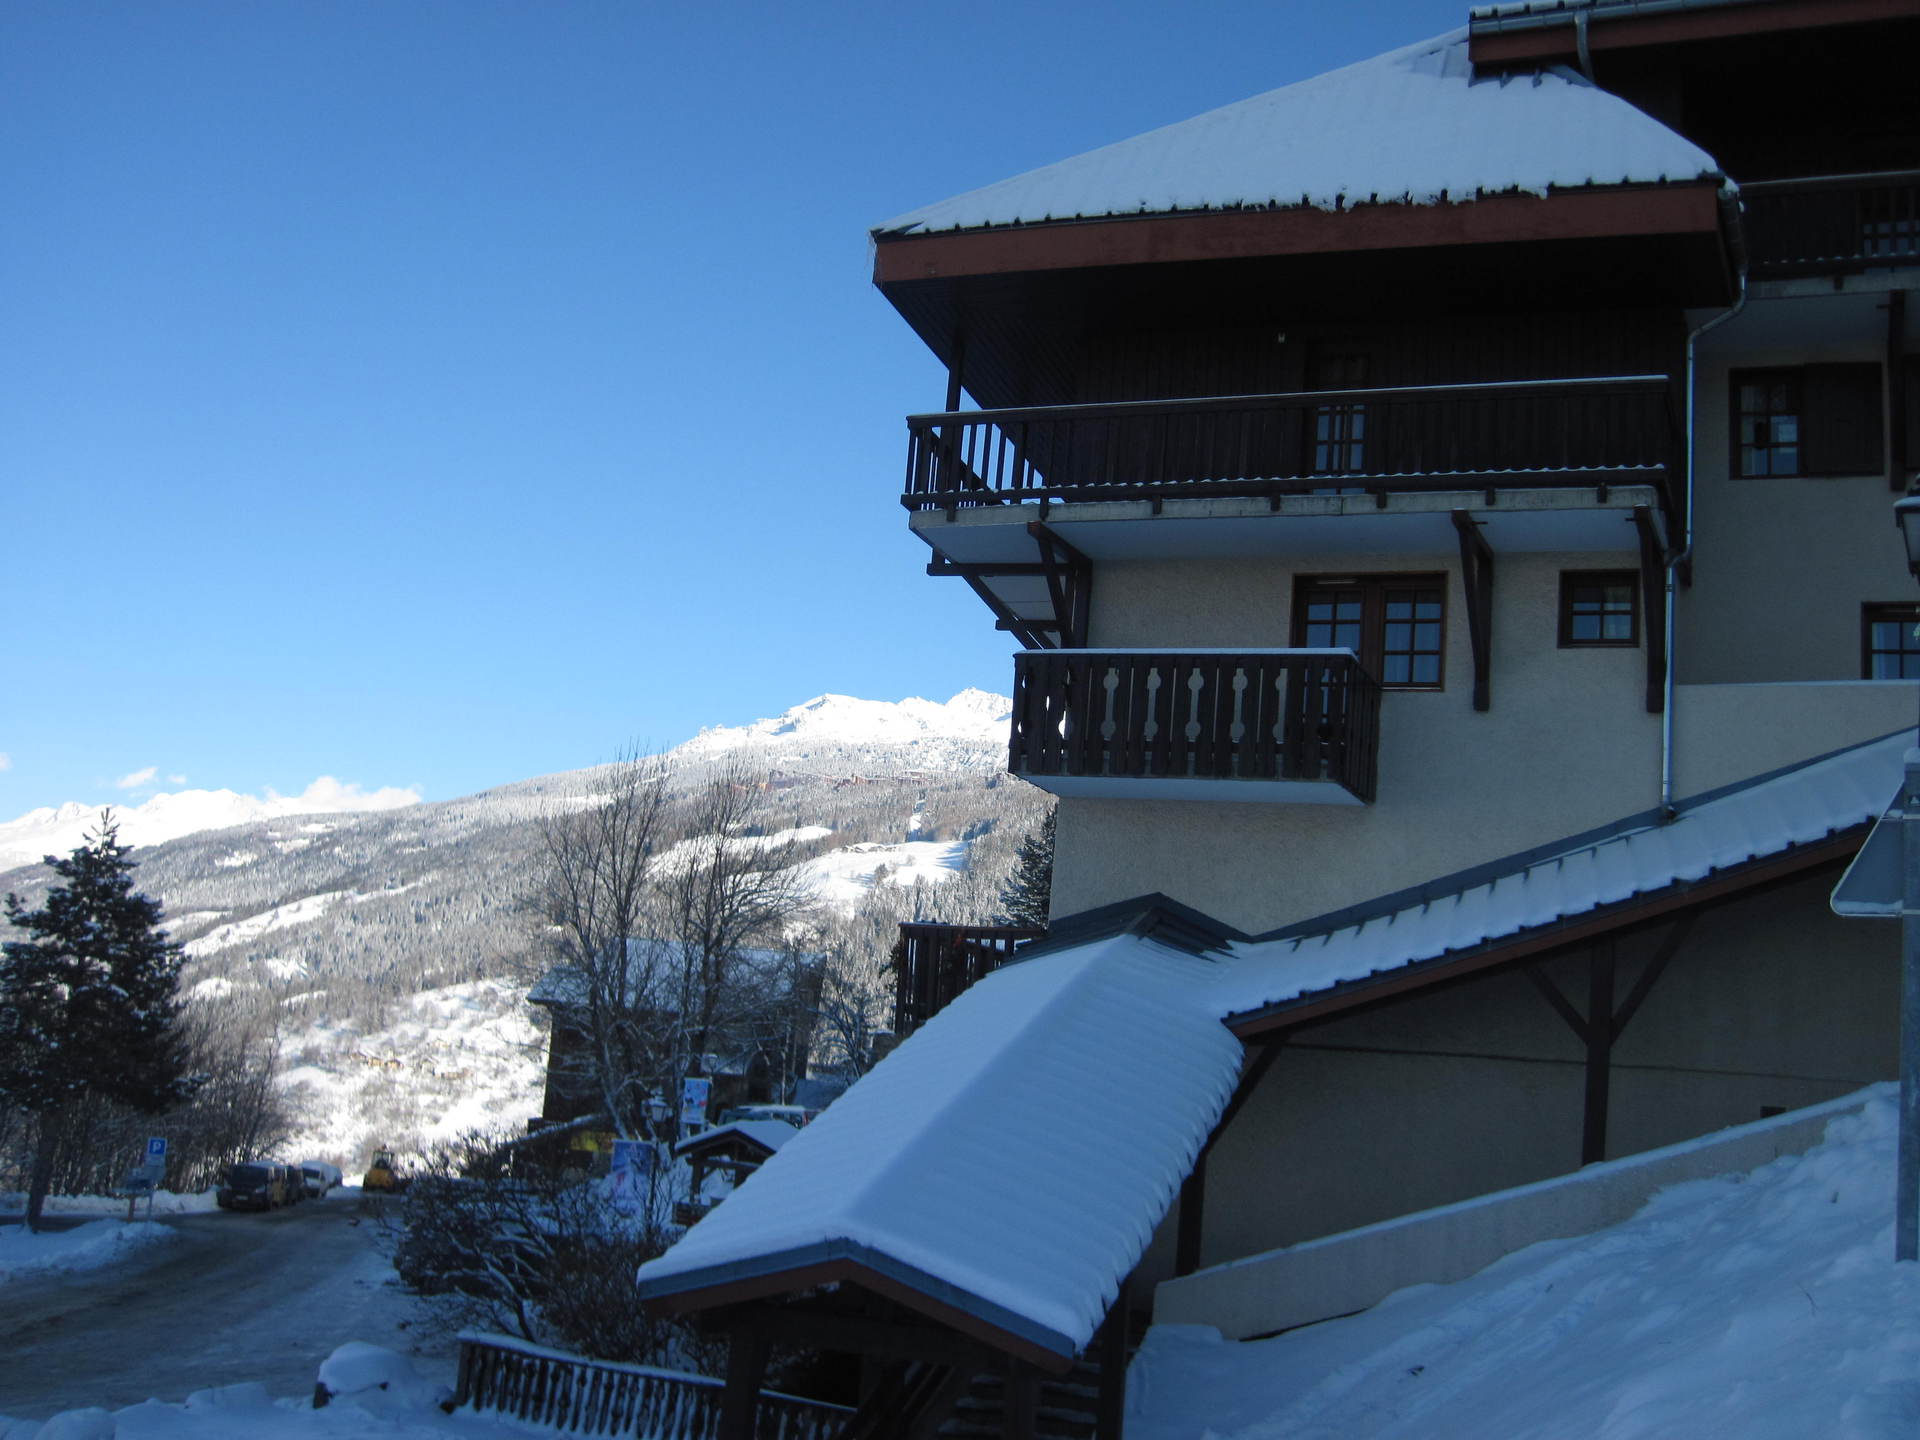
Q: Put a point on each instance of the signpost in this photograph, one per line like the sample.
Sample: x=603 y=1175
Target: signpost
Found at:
x=1884 y=882
x=695 y=1091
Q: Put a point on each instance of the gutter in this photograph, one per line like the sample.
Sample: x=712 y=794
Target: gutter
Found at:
x=1683 y=557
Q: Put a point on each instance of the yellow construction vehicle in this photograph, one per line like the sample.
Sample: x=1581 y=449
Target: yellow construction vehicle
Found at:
x=383 y=1175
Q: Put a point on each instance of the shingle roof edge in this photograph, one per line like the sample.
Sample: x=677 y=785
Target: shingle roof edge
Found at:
x=1443 y=886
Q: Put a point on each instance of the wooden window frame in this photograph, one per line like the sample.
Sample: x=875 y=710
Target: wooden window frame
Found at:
x=1840 y=409
x=1373 y=623
x=1570 y=580
x=1767 y=375
x=1879 y=611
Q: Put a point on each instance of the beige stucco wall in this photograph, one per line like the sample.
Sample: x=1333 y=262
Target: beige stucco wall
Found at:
x=1567 y=745
x=1782 y=566
x=1459 y=1091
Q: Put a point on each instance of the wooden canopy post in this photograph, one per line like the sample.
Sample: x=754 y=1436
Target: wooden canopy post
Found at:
x=1022 y=1401
x=1593 y=1129
x=746 y=1367
x=1110 y=1345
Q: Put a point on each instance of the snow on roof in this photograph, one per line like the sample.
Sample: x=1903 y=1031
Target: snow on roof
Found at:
x=1012 y=1158
x=770 y=1134
x=1798 y=807
x=1413 y=125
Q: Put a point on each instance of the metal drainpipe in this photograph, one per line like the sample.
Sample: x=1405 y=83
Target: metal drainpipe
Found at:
x=1685 y=553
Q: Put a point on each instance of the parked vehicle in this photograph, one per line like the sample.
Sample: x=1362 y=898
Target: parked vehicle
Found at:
x=252 y=1185
x=319 y=1177
x=384 y=1176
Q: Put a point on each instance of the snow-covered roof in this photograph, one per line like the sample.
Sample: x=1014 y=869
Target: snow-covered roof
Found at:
x=1413 y=125
x=1011 y=1159
x=1799 y=807
x=769 y=1134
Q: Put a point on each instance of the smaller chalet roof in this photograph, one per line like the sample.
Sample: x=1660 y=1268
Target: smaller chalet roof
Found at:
x=1765 y=817
x=1414 y=126
x=1006 y=1167
x=769 y=1135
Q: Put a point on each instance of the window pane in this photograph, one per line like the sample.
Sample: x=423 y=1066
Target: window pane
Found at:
x=1394 y=670
x=1619 y=627
x=1426 y=670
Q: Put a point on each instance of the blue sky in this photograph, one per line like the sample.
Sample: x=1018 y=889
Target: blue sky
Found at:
x=439 y=394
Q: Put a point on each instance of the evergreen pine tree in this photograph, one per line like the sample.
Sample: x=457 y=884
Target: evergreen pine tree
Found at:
x=1029 y=887
x=87 y=1001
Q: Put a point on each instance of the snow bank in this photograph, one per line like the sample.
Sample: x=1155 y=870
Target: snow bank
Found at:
x=89 y=1246
x=1765 y=1305
x=165 y=1202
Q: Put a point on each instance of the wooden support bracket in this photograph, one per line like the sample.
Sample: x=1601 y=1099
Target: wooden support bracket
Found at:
x=1476 y=575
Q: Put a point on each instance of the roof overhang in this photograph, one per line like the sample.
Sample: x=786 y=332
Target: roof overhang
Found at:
x=1532 y=943
x=1583 y=214
x=1551 y=36
x=844 y=1261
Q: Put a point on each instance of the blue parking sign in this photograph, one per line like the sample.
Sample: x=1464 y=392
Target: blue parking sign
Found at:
x=157 y=1148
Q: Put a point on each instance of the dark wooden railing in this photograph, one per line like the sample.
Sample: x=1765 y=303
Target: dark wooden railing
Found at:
x=598 y=1397
x=933 y=963
x=1834 y=225
x=1617 y=430
x=1196 y=714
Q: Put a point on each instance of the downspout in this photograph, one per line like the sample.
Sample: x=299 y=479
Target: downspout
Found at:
x=1680 y=558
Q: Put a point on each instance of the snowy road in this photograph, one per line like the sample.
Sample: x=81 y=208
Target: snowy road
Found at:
x=236 y=1297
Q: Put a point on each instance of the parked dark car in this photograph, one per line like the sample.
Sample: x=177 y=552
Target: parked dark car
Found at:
x=254 y=1185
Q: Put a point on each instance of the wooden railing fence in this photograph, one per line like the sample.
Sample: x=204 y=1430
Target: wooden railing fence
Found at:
x=1618 y=429
x=1198 y=714
x=599 y=1397
x=1832 y=225
x=932 y=964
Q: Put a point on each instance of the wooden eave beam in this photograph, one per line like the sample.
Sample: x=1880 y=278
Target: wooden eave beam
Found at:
x=1688 y=209
x=821 y=1328
x=1263 y=1022
x=1556 y=43
x=852 y=1272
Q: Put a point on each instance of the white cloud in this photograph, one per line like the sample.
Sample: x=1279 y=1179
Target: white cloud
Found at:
x=6 y=761
x=176 y=779
x=137 y=778
x=327 y=794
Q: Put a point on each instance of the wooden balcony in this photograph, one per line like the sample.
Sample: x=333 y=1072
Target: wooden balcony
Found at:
x=1835 y=225
x=1541 y=433
x=1246 y=725
x=933 y=963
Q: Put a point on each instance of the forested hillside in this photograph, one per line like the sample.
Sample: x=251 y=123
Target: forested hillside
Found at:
x=384 y=956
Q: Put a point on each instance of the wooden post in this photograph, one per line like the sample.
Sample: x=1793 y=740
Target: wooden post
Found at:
x=746 y=1365
x=1193 y=1208
x=1593 y=1135
x=1022 y=1401
x=1110 y=1344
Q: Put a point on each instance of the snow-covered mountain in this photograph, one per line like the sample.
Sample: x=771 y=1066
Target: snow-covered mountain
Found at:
x=54 y=830
x=389 y=935
x=971 y=719
x=834 y=729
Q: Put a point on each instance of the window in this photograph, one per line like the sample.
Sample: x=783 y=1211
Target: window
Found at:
x=1810 y=420
x=1599 y=607
x=1338 y=441
x=1394 y=623
x=1889 y=645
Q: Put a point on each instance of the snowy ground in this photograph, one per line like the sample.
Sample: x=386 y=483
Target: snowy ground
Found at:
x=89 y=1246
x=1763 y=1306
x=453 y=1060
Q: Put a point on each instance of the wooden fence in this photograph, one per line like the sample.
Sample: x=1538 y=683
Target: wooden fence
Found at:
x=1608 y=430
x=1214 y=715
x=599 y=1397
